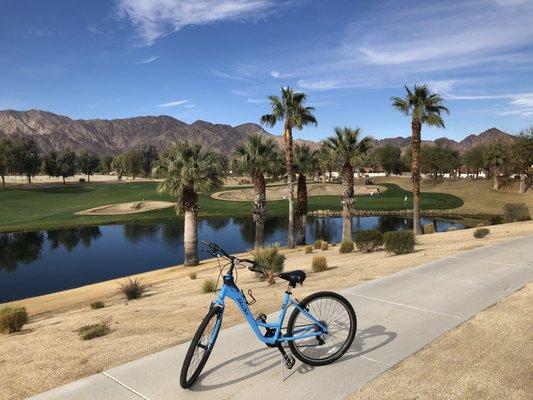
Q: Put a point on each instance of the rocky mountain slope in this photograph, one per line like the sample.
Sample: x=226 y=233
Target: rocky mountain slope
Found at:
x=56 y=132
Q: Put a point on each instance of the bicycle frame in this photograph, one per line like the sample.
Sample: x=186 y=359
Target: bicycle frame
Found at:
x=229 y=289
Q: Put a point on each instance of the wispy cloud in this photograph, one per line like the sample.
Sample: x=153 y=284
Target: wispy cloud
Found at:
x=190 y=105
x=158 y=18
x=148 y=60
x=232 y=76
x=256 y=101
x=275 y=74
x=43 y=32
x=173 y=103
x=93 y=28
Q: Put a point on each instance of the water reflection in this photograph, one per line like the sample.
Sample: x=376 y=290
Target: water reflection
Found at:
x=66 y=258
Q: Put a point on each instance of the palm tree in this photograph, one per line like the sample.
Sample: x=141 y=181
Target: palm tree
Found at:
x=424 y=107
x=348 y=151
x=256 y=156
x=188 y=169
x=305 y=162
x=290 y=109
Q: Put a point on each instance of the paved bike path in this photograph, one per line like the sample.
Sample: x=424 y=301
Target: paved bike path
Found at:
x=397 y=316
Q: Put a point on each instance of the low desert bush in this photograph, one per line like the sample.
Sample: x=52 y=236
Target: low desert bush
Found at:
x=193 y=275
x=308 y=249
x=346 y=246
x=513 y=212
x=209 y=285
x=318 y=244
x=368 y=240
x=481 y=232
x=319 y=264
x=133 y=288
x=89 y=332
x=12 y=319
x=271 y=259
x=324 y=246
x=429 y=228
x=480 y=225
x=399 y=242
x=95 y=305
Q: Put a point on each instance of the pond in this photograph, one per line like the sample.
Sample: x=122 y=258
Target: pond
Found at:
x=41 y=262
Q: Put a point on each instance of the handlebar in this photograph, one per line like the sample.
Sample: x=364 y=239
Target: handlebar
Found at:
x=217 y=251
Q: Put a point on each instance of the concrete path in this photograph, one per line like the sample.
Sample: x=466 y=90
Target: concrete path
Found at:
x=397 y=316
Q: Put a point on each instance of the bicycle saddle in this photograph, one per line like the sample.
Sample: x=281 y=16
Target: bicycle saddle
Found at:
x=294 y=277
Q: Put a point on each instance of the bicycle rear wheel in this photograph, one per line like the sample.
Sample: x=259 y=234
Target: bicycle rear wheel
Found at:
x=201 y=346
x=333 y=311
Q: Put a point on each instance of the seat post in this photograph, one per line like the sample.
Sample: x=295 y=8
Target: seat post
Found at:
x=288 y=291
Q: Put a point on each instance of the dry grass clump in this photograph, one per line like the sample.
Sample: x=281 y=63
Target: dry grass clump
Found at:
x=133 y=288
x=347 y=246
x=209 y=285
x=95 y=305
x=92 y=331
x=324 y=246
x=193 y=275
x=12 y=319
x=429 y=228
x=308 y=249
x=318 y=244
x=319 y=264
x=481 y=232
x=271 y=259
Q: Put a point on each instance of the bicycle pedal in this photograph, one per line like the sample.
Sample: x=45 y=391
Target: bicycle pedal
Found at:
x=261 y=318
x=289 y=362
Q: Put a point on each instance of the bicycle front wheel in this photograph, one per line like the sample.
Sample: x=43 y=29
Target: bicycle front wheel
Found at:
x=201 y=346
x=334 y=312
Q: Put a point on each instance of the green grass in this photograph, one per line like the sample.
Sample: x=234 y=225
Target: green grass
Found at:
x=54 y=207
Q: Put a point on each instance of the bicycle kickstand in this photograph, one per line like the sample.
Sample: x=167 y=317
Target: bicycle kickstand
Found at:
x=288 y=360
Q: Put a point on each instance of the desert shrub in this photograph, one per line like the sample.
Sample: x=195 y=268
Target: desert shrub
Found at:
x=481 y=232
x=318 y=244
x=133 y=288
x=324 y=246
x=347 y=246
x=193 y=275
x=513 y=212
x=452 y=228
x=308 y=249
x=89 y=332
x=270 y=258
x=319 y=264
x=209 y=285
x=480 y=225
x=368 y=240
x=399 y=242
x=429 y=228
x=496 y=220
x=95 y=305
x=12 y=319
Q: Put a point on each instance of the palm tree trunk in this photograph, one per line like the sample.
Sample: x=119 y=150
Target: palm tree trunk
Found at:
x=522 y=189
x=416 y=128
x=259 y=207
x=189 y=207
x=289 y=164
x=347 y=201
x=301 y=209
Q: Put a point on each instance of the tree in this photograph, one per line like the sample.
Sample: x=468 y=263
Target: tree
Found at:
x=522 y=156
x=188 y=169
x=256 y=156
x=348 y=149
x=88 y=163
x=149 y=156
x=473 y=159
x=290 y=109
x=438 y=160
x=389 y=159
x=325 y=162
x=105 y=164
x=6 y=158
x=117 y=165
x=49 y=165
x=425 y=108
x=26 y=159
x=496 y=158
x=305 y=163
x=132 y=162
x=67 y=163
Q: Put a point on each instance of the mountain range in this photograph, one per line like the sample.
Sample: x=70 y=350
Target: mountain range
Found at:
x=58 y=132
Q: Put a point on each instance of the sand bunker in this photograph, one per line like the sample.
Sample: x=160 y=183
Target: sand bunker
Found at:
x=127 y=208
x=280 y=192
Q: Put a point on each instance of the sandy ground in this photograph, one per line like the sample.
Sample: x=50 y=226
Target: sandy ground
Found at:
x=48 y=352
x=38 y=180
x=280 y=192
x=487 y=357
x=127 y=208
x=477 y=195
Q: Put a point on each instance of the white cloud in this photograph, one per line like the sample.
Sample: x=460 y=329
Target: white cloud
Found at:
x=190 y=105
x=154 y=19
x=173 y=103
x=275 y=74
x=148 y=60
x=239 y=92
x=93 y=28
x=256 y=101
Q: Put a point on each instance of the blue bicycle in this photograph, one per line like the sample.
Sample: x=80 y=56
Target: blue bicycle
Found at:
x=320 y=329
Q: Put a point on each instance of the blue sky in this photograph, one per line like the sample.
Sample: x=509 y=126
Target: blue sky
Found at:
x=217 y=60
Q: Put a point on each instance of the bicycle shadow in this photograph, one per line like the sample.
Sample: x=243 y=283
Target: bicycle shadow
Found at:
x=253 y=363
